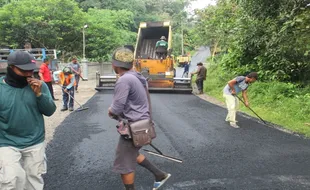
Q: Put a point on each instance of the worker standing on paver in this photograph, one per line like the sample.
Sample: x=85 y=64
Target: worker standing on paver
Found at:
x=230 y=91
x=24 y=100
x=161 y=48
x=130 y=102
x=201 y=76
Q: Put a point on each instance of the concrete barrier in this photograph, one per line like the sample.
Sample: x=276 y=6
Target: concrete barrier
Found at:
x=104 y=68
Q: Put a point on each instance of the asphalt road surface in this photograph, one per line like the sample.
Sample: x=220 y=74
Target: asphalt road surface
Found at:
x=216 y=156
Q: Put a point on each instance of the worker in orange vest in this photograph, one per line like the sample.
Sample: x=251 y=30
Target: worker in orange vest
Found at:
x=67 y=81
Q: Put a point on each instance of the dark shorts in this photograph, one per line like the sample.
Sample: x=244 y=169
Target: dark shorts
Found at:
x=126 y=157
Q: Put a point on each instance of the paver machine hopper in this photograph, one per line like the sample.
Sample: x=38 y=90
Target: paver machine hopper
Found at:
x=159 y=71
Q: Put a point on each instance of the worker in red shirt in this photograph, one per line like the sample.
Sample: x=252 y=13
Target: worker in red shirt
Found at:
x=45 y=75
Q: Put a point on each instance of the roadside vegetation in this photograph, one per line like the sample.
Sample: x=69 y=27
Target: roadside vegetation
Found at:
x=58 y=24
x=267 y=36
x=282 y=103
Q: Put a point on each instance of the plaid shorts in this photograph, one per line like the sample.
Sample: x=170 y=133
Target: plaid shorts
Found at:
x=126 y=157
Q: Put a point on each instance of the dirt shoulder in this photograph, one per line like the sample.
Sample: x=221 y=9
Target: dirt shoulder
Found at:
x=212 y=100
x=86 y=91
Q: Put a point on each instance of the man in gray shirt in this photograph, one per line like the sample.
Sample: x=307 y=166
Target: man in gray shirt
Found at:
x=76 y=68
x=233 y=87
x=130 y=102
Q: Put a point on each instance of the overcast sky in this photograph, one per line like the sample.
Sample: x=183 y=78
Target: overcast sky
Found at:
x=199 y=4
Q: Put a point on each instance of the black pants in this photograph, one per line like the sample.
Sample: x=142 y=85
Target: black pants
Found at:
x=77 y=80
x=185 y=74
x=50 y=87
x=161 y=55
x=161 y=52
x=199 y=83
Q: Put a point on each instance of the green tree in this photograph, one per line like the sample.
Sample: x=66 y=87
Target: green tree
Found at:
x=268 y=36
x=107 y=30
x=45 y=23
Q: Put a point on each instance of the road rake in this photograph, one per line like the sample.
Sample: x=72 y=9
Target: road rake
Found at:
x=81 y=108
x=252 y=110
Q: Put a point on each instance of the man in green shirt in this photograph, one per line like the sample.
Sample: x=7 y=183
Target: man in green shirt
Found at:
x=24 y=100
x=161 y=48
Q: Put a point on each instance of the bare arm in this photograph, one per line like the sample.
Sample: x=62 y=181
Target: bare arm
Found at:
x=245 y=98
x=80 y=70
x=41 y=71
x=41 y=76
x=231 y=84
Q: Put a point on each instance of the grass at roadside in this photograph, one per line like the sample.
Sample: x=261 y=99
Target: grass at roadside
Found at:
x=281 y=103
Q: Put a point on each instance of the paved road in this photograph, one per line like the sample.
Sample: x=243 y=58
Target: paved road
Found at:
x=216 y=156
x=200 y=56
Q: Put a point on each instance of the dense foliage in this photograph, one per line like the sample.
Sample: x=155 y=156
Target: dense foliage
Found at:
x=268 y=36
x=58 y=23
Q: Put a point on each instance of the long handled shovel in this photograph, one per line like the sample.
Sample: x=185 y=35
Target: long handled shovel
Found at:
x=75 y=72
x=252 y=110
x=81 y=108
x=160 y=154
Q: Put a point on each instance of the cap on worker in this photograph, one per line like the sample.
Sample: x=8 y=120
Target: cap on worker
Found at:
x=199 y=64
x=23 y=60
x=123 y=57
x=47 y=58
x=163 y=38
x=67 y=70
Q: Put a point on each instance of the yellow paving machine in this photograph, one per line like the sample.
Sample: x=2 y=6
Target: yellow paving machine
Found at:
x=159 y=71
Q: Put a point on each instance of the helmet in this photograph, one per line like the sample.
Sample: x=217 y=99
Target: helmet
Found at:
x=123 y=57
x=67 y=70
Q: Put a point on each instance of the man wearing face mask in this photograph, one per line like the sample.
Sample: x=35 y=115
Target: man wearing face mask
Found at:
x=24 y=100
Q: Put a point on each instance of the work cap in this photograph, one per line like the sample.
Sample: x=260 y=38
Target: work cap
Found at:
x=163 y=38
x=23 y=60
x=67 y=70
x=199 y=64
x=123 y=57
x=47 y=58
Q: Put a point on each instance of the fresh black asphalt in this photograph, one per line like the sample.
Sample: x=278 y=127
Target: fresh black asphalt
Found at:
x=216 y=156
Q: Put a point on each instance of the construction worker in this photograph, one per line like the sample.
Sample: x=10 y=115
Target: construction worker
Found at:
x=230 y=91
x=76 y=68
x=201 y=76
x=186 y=70
x=24 y=100
x=130 y=101
x=161 y=48
x=45 y=75
x=67 y=81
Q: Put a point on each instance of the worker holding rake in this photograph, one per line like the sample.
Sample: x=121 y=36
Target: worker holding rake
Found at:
x=233 y=87
x=67 y=81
